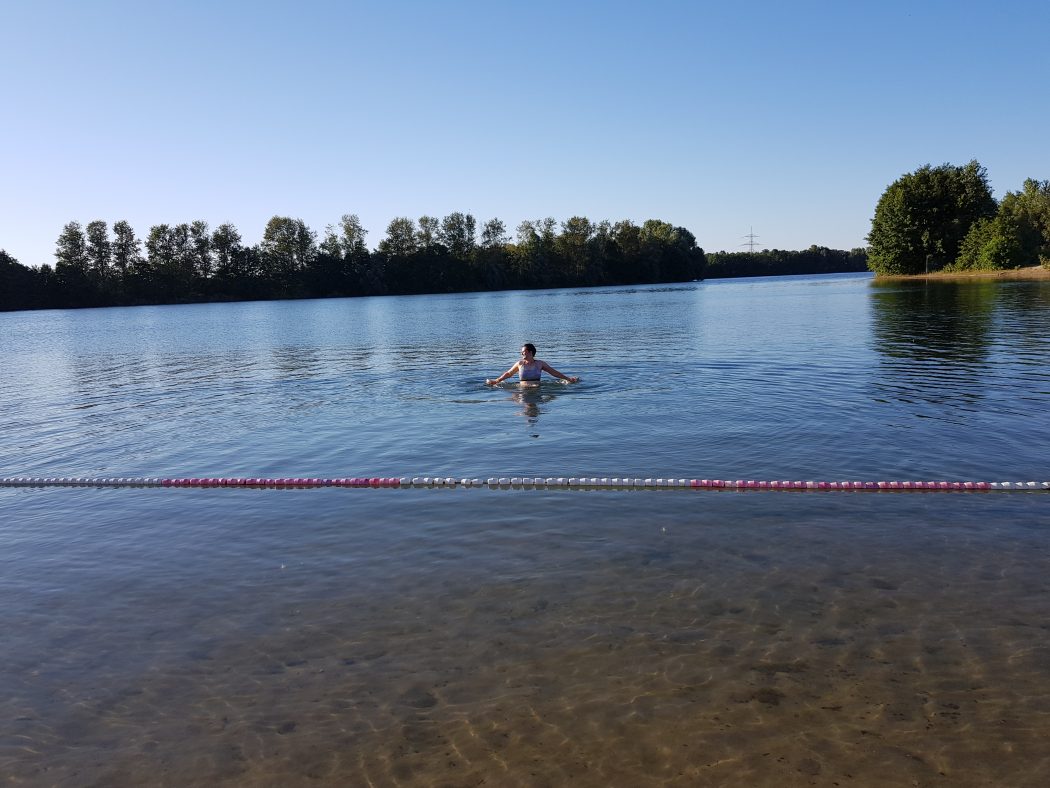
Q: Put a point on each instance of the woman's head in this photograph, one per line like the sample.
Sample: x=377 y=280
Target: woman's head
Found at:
x=529 y=348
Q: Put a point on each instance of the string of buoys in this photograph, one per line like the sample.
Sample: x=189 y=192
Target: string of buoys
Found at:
x=523 y=482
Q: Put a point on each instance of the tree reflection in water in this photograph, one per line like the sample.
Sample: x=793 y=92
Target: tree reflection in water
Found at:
x=934 y=339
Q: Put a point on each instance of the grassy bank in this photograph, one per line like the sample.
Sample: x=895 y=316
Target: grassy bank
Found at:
x=1032 y=272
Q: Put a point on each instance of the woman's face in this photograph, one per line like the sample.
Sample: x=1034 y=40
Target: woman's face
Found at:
x=525 y=354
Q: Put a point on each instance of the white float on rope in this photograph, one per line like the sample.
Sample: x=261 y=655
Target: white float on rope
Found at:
x=524 y=482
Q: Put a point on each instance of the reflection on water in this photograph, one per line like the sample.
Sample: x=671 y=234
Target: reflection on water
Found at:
x=953 y=345
x=940 y=321
x=933 y=340
x=968 y=361
x=531 y=396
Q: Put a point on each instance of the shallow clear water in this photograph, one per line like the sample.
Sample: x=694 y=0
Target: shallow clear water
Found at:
x=532 y=637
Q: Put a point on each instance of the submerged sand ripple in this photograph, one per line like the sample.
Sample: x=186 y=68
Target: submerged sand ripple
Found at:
x=688 y=667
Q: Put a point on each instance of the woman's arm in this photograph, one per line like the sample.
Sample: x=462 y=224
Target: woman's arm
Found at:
x=570 y=378
x=504 y=376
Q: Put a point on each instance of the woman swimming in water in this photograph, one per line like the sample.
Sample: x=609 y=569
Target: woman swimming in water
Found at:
x=529 y=368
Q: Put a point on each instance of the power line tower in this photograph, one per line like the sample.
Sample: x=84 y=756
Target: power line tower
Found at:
x=750 y=240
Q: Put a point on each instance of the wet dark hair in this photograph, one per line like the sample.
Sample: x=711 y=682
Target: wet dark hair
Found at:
x=530 y=347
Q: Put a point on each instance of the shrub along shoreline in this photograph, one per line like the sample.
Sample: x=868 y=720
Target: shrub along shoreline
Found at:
x=1033 y=272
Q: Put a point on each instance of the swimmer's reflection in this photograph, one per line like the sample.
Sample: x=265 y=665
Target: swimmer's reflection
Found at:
x=532 y=397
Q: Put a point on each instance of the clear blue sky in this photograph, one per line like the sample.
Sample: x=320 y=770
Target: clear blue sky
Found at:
x=788 y=117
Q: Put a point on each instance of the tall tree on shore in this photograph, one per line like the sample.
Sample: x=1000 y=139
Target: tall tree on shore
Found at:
x=226 y=247
x=99 y=250
x=458 y=235
x=362 y=274
x=1030 y=208
x=922 y=217
x=353 y=235
x=493 y=234
x=287 y=247
x=16 y=281
x=491 y=257
x=185 y=260
x=170 y=272
x=305 y=244
x=429 y=228
x=573 y=246
x=992 y=244
x=672 y=251
x=277 y=247
x=534 y=253
x=330 y=245
x=401 y=238
x=127 y=249
x=200 y=243
x=71 y=256
x=626 y=251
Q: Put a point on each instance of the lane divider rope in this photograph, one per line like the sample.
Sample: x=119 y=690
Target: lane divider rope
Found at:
x=520 y=482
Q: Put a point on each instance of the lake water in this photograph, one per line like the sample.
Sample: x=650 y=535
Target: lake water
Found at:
x=531 y=637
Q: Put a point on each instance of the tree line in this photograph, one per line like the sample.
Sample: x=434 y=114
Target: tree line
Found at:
x=96 y=265
x=945 y=218
x=99 y=265
x=779 y=262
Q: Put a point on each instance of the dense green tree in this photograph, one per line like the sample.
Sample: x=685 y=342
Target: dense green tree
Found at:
x=330 y=245
x=393 y=267
x=185 y=270
x=20 y=287
x=922 y=218
x=494 y=233
x=1030 y=209
x=490 y=259
x=159 y=251
x=226 y=249
x=10 y=281
x=353 y=235
x=171 y=270
x=326 y=275
x=74 y=285
x=358 y=270
x=99 y=249
x=201 y=253
x=573 y=247
x=127 y=249
x=669 y=253
x=249 y=267
x=992 y=244
x=434 y=258
x=401 y=238
x=162 y=261
x=458 y=235
x=429 y=230
x=532 y=258
x=623 y=257
x=603 y=252
x=287 y=247
x=71 y=253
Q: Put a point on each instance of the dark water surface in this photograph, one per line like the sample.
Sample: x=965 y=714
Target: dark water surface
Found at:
x=531 y=637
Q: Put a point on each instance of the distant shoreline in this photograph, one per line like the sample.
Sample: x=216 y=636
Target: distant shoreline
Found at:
x=1032 y=272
